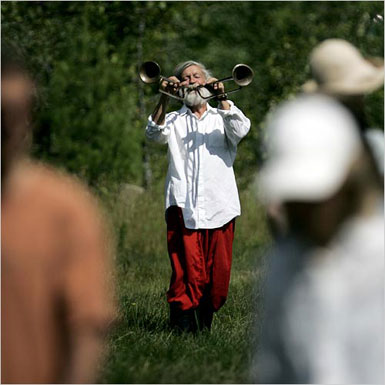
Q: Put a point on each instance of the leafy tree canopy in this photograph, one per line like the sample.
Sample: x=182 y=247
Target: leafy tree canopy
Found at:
x=85 y=57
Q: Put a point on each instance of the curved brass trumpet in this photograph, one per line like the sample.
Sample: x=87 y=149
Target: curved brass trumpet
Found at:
x=149 y=73
x=242 y=75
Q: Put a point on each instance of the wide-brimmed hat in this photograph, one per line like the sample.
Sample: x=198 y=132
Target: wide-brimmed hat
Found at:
x=338 y=68
x=312 y=144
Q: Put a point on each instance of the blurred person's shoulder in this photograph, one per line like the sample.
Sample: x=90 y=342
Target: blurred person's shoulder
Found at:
x=50 y=201
x=53 y=188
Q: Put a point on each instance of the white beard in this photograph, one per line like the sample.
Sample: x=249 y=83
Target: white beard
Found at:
x=193 y=99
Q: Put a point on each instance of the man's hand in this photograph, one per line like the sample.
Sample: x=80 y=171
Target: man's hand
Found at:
x=171 y=85
x=219 y=89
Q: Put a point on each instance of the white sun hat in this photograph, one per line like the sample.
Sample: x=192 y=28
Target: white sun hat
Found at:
x=312 y=144
x=338 y=68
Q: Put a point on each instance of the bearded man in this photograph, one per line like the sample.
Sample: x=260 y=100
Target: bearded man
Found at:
x=201 y=193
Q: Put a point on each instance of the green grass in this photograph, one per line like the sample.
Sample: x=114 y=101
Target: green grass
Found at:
x=142 y=348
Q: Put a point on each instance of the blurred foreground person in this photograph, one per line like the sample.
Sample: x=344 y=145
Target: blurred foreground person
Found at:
x=56 y=302
x=201 y=193
x=324 y=291
x=340 y=71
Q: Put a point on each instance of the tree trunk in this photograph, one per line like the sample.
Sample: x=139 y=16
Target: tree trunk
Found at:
x=147 y=172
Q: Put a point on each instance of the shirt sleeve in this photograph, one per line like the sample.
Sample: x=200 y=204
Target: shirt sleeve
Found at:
x=157 y=133
x=236 y=124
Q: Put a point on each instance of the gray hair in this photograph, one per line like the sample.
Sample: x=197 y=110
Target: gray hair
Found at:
x=182 y=66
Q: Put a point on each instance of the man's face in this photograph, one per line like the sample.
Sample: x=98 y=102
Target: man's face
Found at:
x=193 y=75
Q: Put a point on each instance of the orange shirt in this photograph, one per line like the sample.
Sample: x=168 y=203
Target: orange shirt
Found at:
x=55 y=273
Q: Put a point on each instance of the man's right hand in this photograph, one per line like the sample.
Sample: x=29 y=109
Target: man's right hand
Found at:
x=171 y=85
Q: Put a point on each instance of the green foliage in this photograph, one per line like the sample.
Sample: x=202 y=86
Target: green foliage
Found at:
x=91 y=116
x=85 y=56
x=93 y=125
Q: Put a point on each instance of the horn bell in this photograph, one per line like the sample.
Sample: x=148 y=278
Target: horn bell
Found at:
x=149 y=72
x=242 y=75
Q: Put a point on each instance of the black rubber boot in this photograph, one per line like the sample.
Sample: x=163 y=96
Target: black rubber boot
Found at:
x=205 y=314
x=182 y=320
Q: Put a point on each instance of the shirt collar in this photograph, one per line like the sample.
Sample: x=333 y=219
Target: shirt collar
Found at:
x=185 y=110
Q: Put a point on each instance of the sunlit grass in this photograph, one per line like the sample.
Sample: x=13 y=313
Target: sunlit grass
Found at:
x=142 y=348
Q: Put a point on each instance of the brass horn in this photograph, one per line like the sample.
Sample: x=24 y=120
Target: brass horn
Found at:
x=242 y=75
x=149 y=73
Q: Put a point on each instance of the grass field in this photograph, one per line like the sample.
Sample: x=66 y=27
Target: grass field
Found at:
x=142 y=348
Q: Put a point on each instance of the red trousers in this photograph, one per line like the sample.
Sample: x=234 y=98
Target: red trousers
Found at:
x=200 y=261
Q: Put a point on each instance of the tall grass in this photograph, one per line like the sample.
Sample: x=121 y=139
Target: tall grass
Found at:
x=142 y=348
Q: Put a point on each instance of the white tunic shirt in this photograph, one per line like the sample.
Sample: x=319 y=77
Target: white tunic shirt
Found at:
x=337 y=303
x=201 y=153
x=324 y=309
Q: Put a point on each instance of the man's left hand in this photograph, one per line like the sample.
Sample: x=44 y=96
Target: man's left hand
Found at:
x=219 y=89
